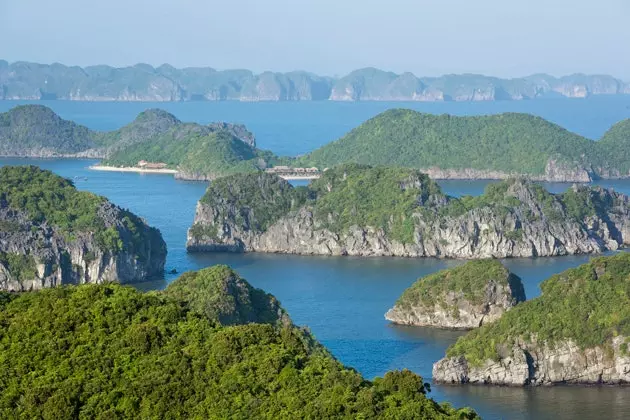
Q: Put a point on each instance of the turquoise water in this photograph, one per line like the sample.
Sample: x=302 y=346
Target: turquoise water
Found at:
x=342 y=299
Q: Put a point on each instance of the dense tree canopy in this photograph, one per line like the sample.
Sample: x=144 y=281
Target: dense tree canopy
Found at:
x=511 y=143
x=108 y=351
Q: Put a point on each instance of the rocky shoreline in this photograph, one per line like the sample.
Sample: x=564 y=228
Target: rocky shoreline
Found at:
x=529 y=364
x=575 y=332
x=460 y=298
x=531 y=228
x=109 y=244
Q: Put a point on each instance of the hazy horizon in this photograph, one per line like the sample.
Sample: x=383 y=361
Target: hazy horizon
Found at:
x=427 y=38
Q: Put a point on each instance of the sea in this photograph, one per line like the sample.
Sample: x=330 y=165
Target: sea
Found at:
x=343 y=299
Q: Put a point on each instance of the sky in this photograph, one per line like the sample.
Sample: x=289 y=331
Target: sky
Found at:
x=504 y=38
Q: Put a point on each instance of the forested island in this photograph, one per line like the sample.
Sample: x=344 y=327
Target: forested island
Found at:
x=194 y=151
x=382 y=211
x=209 y=346
x=576 y=332
x=143 y=82
x=479 y=147
x=444 y=146
x=51 y=234
x=464 y=297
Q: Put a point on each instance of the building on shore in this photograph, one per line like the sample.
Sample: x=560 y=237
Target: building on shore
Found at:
x=143 y=164
x=286 y=170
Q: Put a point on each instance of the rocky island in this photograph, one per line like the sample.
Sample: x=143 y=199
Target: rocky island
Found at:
x=576 y=332
x=209 y=346
x=51 y=234
x=143 y=82
x=383 y=211
x=464 y=297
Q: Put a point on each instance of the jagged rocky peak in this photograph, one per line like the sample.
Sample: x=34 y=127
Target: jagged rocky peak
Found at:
x=220 y=294
x=239 y=131
x=155 y=121
x=464 y=297
x=576 y=332
x=51 y=234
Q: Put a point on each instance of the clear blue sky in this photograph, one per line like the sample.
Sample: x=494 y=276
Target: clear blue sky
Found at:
x=427 y=37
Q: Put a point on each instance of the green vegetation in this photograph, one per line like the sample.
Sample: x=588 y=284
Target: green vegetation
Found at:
x=37 y=128
x=380 y=197
x=219 y=294
x=508 y=143
x=215 y=154
x=388 y=198
x=205 y=151
x=21 y=267
x=49 y=198
x=511 y=143
x=108 y=351
x=260 y=199
x=470 y=279
x=589 y=305
x=614 y=147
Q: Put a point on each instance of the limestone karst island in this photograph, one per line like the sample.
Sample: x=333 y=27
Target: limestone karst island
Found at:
x=318 y=210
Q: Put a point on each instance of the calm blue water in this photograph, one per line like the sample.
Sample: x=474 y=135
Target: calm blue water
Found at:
x=341 y=299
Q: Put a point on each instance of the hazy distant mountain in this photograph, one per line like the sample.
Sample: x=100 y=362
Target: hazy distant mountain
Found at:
x=142 y=82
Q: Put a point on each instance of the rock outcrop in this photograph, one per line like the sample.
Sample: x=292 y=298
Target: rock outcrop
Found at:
x=463 y=297
x=555 y=171
x=520 y=220
x=529 y=363
x=35 y=253
x=574 y=333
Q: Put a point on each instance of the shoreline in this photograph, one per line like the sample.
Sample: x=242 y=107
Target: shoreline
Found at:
x=132 y=169
x=175 y=172
x=299 y=178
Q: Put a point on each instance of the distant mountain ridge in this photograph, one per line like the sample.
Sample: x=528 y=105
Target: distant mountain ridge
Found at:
x=143 y=82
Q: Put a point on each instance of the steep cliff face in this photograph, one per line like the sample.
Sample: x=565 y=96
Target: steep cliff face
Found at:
x=53 y=259
x=464 y=297
x=38 y=252
x=532 y=363
x=515 y=218
x=574 y=333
